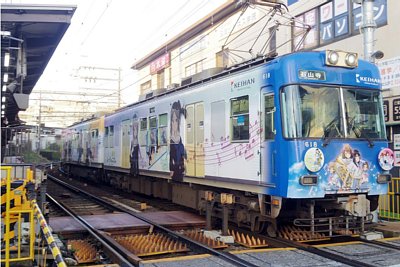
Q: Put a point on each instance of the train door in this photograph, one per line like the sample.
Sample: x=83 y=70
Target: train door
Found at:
x=195 y=139
x=125 y=146
x=93 y=145
x=269 y=155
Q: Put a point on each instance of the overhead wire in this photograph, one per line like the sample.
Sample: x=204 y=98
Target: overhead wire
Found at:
x=97 y=21
x=181 y=52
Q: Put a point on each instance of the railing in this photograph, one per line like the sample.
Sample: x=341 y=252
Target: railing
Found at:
x=14 y=216
x=389 y=205
x=24 y=205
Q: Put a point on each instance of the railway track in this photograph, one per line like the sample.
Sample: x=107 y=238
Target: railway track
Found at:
x=114 y=246
x=271 y=242
x=321 y=251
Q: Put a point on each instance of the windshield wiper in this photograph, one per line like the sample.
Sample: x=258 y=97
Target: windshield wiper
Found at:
x=358 y=132
x=328 y=134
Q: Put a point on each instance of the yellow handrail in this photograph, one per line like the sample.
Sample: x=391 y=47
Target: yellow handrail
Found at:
x=8 y=189
x=389 y=204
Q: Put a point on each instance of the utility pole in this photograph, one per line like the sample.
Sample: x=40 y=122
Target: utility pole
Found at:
x=119 y=87
x=368 y=27
x=39 y=120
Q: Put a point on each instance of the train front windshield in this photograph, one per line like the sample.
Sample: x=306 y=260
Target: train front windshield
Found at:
x=320 y=111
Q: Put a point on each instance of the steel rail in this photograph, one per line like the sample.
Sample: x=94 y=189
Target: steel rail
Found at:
x=311 y=249
x=378 y=243
x=120 y=256
x=228 y=257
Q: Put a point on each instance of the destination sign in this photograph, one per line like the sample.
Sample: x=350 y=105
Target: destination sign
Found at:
x=312 y=75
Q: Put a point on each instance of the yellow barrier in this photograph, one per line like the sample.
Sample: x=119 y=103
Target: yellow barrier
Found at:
x=7 y=222
x=14 y=214
x=24 y=204
x=49 y=237
x=389 y=205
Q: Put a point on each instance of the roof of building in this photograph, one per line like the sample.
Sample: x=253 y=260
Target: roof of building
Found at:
x=38 y=29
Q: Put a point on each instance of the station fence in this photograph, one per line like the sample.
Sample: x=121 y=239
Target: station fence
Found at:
x=389 y=205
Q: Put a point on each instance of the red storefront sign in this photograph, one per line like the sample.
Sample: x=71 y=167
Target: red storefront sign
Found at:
x=160 y=63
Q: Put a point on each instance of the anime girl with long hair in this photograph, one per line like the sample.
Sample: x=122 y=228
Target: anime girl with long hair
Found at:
x=176 y=147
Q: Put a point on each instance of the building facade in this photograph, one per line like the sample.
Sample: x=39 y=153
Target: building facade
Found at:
x=236 y=33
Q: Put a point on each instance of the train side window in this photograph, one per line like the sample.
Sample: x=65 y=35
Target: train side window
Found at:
x=162 y=129
x=269 y=111
x=218 y=121
x=143 y=132
x=153 y=130
x=240 y=118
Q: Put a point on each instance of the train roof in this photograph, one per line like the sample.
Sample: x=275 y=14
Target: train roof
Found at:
x=225 y=72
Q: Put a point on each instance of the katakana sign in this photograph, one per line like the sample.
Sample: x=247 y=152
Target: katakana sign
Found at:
x=334 y=19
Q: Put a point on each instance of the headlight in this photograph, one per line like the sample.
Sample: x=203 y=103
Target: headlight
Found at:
x=341 y=59
x=308 y=180
x=351 y=59
x=384 y=178
x=333 y=57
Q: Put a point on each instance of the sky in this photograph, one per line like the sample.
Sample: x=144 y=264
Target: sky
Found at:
x=114 y=34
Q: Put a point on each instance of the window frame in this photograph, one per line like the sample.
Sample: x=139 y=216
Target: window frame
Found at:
x=272 y=111
x=162 y=129
x=340 y=89
x=237 y=115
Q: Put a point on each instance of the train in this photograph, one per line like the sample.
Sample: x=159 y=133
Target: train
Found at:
x=298 y=138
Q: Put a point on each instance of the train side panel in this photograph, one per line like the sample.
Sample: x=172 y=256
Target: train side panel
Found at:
x=219 y=129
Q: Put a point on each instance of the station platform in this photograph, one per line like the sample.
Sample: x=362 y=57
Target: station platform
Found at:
x=389 y=229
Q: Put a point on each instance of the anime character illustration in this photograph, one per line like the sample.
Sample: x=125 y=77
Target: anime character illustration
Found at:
x=89 y=155
x=345 y=166
x=80 y=146
x=69 y=152
x=386 y=159
x=365 y=169
x=334 y=182
x=152 y=149
x=358 y=174
x=176 y=148
x=348 y=171
x=134 y=151
x=314 y=159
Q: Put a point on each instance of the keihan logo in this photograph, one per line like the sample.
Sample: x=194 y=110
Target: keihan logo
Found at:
x=368 y=80
x=242 y=83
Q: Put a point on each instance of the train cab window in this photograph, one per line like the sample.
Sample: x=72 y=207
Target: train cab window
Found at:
x=311 y=111
x=364 y=116
x=240 y=118
x=143 y=132
x=269 y=111
x=162 y=129
x=332 y=112
x=153 y=130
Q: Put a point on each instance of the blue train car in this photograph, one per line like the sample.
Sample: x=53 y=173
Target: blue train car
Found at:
x=298 y=138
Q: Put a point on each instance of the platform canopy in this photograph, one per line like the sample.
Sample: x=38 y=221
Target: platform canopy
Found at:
x=29 y=36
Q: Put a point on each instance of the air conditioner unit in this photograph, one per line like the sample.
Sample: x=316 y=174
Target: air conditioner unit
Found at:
x=172 y=86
